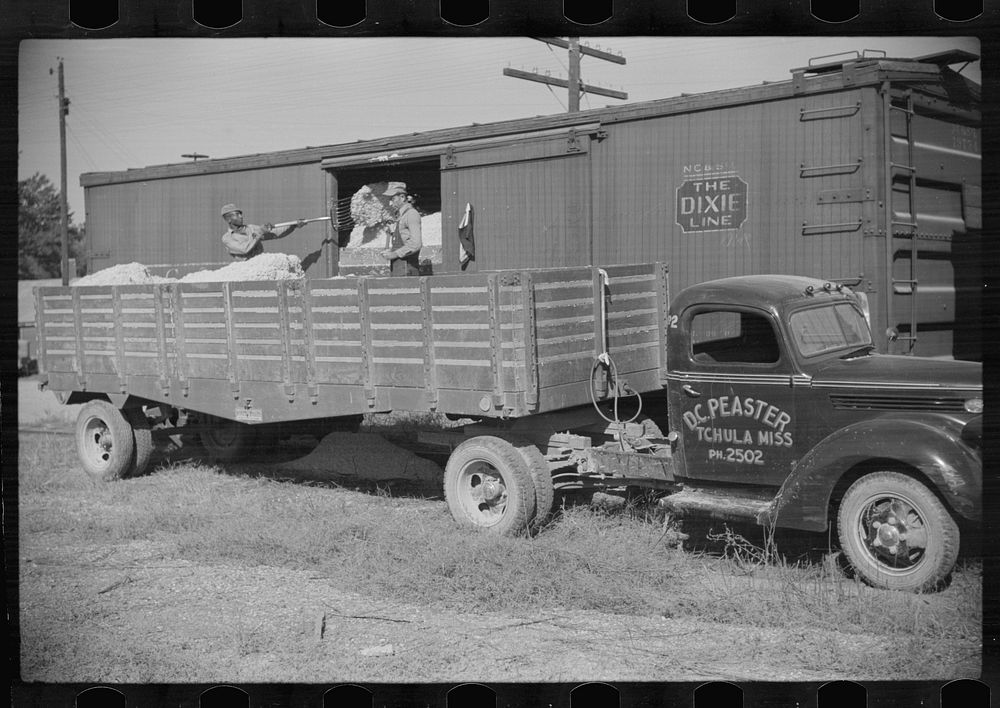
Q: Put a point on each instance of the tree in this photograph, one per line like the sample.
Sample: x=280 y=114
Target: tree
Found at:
x=39 y=234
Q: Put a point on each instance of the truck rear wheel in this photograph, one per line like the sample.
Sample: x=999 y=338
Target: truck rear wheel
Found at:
x=541 y=479
x=143 y=436
x=488 y=486
x=227 y=440
x=896 y=533
x=104 y=441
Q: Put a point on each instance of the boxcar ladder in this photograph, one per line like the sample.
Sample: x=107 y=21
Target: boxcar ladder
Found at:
x=901 y=227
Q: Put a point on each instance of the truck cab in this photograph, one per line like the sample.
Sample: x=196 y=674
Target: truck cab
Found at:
x=781 y=409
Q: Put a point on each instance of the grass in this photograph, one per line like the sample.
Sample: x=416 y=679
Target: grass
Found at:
x=621 y=560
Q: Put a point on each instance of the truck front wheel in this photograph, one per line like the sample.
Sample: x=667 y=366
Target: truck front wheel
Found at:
x=104 y=441
x=488 y=486
x=896 y=533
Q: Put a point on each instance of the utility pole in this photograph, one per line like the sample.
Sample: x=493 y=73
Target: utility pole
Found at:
x=574 y=84
x=194 y=156
x=574 y=74
x=63 y=206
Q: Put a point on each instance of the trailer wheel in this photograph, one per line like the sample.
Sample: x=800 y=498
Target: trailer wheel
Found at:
x=104 y=441
x=488 y=486
x=541 y=478
x=142 y=433
x=896 y=533
x=226 y=440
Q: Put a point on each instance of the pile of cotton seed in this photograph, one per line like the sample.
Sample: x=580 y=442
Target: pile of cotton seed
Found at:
x=123 y=274
x=266 y=266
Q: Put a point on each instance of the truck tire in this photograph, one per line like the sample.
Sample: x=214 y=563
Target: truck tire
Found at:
x=104 y=441
x=488 y=486
x=143 y=436
x=896 y=533
x=227 y=440
x=541 y=479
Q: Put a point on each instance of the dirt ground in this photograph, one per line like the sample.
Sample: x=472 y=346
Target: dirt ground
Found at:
x=123 y=613
x=130 y=615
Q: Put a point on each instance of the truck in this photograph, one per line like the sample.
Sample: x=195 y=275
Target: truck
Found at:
x=756 y=397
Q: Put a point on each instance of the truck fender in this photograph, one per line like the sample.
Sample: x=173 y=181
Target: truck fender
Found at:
x=118 y=400
x=928 y=444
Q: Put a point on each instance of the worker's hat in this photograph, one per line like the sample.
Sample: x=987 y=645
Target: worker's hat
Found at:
x=395 y=188
x=230 y=207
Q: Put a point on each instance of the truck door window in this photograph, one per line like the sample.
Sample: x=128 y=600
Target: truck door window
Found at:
x=723 y=336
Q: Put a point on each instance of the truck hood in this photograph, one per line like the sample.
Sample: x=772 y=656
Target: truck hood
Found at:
x=884 y=382
x=902 y=373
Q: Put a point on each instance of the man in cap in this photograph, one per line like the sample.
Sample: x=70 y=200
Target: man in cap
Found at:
x=244 y=241
x=404 y=256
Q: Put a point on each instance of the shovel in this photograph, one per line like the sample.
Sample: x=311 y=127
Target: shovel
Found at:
x=283 y=224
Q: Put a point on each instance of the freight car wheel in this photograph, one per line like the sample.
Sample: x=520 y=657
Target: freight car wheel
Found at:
x=541 y=479
x=226 y=440
x=104 y=441
x=488 y=486
x=896 y=533
x=142 y=433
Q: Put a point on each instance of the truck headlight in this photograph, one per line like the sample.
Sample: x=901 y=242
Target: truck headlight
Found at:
x=974 y=405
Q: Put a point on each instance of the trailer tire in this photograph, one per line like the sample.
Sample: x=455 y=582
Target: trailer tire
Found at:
x=142 y=433
x=881 y=516
x=227 y=440
x=541 y=478
x=488 y=486
x=105 y=443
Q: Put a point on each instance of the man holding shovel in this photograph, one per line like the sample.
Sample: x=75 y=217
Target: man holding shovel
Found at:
x=404 y=254
x=244 y=241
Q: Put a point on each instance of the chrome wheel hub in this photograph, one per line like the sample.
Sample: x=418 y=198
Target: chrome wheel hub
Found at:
x=489 y=490
x=483 y=493
x=894 y=532
x=100 y=435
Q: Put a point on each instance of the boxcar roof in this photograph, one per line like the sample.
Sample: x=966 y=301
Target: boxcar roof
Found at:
x=817 y=79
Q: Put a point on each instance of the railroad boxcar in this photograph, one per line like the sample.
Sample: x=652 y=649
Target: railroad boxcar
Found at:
x=865 y=170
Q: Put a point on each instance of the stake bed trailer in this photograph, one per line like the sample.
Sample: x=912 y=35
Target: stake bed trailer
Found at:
x=503 y=344
x=777 y=410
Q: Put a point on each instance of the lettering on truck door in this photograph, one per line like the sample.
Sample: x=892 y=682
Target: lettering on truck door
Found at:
x=734 y=395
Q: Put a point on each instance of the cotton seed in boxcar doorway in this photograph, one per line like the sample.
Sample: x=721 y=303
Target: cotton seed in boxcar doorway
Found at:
x=367 y=208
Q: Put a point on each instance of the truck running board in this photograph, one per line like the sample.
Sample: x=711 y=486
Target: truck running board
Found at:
x=720 y=506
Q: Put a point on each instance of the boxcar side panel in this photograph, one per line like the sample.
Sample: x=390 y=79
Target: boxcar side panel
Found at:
x=767 y=187
x=935 y=297
x=185 y=213
x=528 y=214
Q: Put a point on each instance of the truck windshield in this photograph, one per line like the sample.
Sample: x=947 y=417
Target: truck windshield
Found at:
x=831 y=328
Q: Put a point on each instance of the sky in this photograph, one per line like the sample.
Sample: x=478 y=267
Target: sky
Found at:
x=141 y=102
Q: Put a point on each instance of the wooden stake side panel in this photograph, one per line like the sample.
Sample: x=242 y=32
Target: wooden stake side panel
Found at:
x=336 y=330
x=200 y=339
x=460 y=332
x=139 y=343
x=56 y=325
x=566 y=307
x=396 y=321
x=495 y=343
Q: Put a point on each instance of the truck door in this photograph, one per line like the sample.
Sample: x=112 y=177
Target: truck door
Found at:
x=731 y=395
